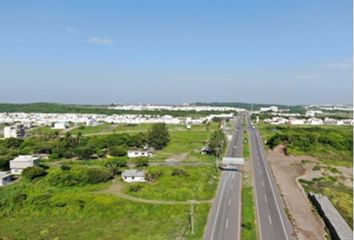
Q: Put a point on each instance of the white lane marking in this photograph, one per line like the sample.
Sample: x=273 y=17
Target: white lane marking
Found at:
x=232 y=186
x=265 y=198
x=262 y=183
x=217 y=209
x=270 y=219
x=227 y=223
x=229 y=201
x=258 y=139
x=233 y=175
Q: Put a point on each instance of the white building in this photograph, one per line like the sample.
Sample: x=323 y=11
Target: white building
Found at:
x=315 y=121
x=133 y=175
x=92 y=122
x=5 y=178
x=295 y=121
x=21 y=162
x=60 y=125
x=269 y=109
x=17 y=131
x=139 y=153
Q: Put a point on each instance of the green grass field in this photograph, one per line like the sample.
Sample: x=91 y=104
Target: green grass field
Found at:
x=200 y=183
x=37 y=211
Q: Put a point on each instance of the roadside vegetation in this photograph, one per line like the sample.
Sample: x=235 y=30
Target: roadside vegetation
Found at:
x=333 y=146
x=330 y=144
x=340 y=195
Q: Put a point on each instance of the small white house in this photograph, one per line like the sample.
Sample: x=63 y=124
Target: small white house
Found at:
x=5 y=178
x=139 y=153
x=17 y=131
x=60 y=125
x=133 y=175
x=315 y=121
x=21 y=162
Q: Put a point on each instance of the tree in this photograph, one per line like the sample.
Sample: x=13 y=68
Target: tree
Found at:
x=33 y=172
x=158 y=136
x=85 y=152
x=217 y=142
x=115 y=164
x=118 y=151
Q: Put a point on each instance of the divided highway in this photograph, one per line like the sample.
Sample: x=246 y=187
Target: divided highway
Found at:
x=272 y=221
x=224 y=221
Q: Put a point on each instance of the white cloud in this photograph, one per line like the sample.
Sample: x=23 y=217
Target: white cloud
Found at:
x=72 y=30
x=19 y=41
x=309 y=76
x=99 y=41
x=341 y=64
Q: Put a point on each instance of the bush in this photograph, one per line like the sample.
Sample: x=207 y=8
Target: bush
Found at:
x=118 y=151
x=33 y=172
x=65 y=167
x=142 y=162
x=179 y=172
x=153 y=175
x=97 y=175
x=77 y=177
x=135 y=187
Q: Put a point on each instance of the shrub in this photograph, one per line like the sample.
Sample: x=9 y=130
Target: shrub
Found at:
x=65 y=167
x=154 y=175
x=97 y=175
x=142 y=162
x=179 y=172
x=77 y=177
x=118 y=151
x=135 y=187
x=33 y=172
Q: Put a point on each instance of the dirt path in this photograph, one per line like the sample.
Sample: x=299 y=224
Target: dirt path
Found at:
x=287 y=170
x=116 y=190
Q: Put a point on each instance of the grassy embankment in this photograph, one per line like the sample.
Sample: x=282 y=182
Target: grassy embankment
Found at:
x=333 y=146
x=87 y=212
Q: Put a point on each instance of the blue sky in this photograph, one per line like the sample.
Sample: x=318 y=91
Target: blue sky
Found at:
x=158 y=51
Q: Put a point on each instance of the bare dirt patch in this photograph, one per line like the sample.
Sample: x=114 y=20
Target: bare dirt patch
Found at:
x=287 y=170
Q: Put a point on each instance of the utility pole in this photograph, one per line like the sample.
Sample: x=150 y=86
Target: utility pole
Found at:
x=217 y=158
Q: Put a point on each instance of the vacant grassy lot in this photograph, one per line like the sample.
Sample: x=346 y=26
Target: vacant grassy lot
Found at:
x=330 y=144
x=197 y=183
x=38 y=211
x=340 y=195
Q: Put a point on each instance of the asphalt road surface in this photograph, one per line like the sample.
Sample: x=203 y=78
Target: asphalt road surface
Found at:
x=272 y=221
x=224 y=221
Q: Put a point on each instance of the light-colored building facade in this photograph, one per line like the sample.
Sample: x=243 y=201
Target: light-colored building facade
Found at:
x=17 y=131
x=21 y=162
x=139 y=153
x=133 y=175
